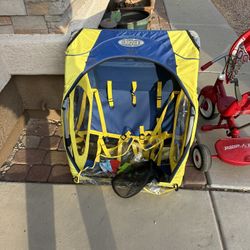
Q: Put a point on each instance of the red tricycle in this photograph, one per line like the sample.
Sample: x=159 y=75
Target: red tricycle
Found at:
x=234 y=150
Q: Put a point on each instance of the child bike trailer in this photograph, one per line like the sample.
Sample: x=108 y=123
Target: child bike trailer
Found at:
x=130 y=102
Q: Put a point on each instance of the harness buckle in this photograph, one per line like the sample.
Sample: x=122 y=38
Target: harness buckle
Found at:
x=142 y=137
x=124 y=137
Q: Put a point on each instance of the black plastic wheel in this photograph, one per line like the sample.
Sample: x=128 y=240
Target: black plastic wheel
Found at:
x=201 y=157
x=206 y=107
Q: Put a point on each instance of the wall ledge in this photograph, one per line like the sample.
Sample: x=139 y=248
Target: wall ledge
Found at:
x=43 y=54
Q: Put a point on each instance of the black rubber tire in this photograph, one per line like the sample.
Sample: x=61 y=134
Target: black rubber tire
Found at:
x=210 y=115
x=201 y=157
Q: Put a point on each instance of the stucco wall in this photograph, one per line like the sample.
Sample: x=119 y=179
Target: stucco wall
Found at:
x=43 y=54
x=11 y=109
x=40 y=92
x=32 y=65
x=4 y=74
x=40 y=16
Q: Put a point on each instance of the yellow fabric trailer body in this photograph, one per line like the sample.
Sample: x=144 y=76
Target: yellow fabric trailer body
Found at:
x=130 y=92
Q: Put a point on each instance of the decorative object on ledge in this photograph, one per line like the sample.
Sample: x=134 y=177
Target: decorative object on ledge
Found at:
x=147 y=5
x=50 y=16
x=128 y=14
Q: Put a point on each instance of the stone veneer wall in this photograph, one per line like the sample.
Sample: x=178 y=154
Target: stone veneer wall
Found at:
x=37 y=16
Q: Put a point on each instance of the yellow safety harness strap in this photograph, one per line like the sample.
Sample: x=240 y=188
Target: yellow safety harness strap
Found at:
x=135 y=148
x=79 y=139
x=159 y=95
x=142 y=133
x=110 y=94
x=157 y=130
x=82 y=112
x=104 y=148
x=99 y=150
x=119 y=150
x=101 y=146
x=159 y=155
x=122 y=139
x=163 y=114
x=100 y=110
x=133 y=89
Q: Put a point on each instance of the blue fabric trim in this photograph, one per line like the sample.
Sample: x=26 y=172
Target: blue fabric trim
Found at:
x=157 y=47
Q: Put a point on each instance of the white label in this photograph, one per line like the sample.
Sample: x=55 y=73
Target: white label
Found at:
x=131 y=42
x=235 y=146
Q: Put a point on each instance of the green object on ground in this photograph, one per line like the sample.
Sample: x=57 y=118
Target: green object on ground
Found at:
x=123 y=167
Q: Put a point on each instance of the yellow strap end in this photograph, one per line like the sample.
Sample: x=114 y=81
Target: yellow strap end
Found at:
x=110 y=94
x=134 y=87
x=159 y=94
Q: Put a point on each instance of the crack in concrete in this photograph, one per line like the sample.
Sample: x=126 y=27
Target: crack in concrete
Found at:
x=217 y=221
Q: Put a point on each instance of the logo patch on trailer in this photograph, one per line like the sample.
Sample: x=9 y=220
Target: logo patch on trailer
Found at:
x=131 y=43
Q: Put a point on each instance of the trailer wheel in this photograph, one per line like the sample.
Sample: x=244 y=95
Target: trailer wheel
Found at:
x=201 y=157
x=206 y=107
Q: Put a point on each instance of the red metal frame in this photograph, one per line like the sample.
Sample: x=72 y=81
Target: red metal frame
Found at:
x=229 y=109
